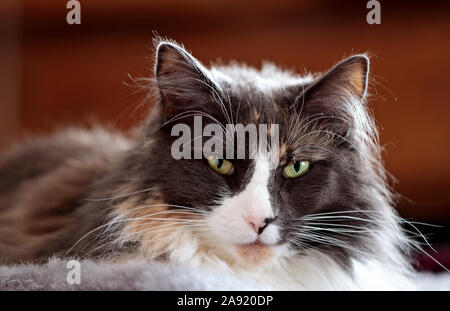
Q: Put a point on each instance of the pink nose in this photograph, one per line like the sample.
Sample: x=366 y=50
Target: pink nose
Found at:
x=258 y=224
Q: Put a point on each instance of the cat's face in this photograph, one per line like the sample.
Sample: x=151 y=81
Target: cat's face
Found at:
x=301 y=193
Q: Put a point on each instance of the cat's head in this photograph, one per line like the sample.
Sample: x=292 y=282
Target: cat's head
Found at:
x=318 y=187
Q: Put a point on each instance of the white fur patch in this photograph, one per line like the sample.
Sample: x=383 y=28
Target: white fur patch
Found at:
x=229 y=221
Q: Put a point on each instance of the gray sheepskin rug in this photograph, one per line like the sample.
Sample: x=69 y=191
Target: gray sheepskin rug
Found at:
x=132 y=275
x=138 y=275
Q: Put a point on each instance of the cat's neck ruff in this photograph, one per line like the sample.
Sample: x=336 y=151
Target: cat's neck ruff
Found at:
x=310 y=271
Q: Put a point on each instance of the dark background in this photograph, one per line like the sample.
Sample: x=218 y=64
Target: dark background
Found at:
x=53 y=74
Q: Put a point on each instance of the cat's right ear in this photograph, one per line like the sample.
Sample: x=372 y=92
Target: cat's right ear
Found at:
x=184 y=83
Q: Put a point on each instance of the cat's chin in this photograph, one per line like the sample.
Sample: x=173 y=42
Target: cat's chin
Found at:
x=256 y=253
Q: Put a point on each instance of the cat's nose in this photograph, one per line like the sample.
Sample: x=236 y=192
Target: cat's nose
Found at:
x=259 y=224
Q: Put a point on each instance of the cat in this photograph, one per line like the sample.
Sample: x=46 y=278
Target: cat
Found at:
x=312 y=212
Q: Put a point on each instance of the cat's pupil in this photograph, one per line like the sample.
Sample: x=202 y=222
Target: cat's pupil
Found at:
x=297 y=166
x=219 y=163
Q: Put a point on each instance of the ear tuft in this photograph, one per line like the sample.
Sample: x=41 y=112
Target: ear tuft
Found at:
x=170 y=57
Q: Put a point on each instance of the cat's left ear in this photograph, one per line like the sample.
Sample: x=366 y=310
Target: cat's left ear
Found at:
x=338 y=94
x=347 y=78
x=184 y=83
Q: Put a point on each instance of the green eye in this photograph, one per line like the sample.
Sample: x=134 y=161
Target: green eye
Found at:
x=296 y=169
x=221 y=166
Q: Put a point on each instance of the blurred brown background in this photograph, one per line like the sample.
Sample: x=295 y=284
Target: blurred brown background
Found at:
x=53 y=74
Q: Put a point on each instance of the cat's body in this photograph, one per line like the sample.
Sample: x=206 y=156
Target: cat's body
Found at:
x=43 y=186
x=96 y=193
